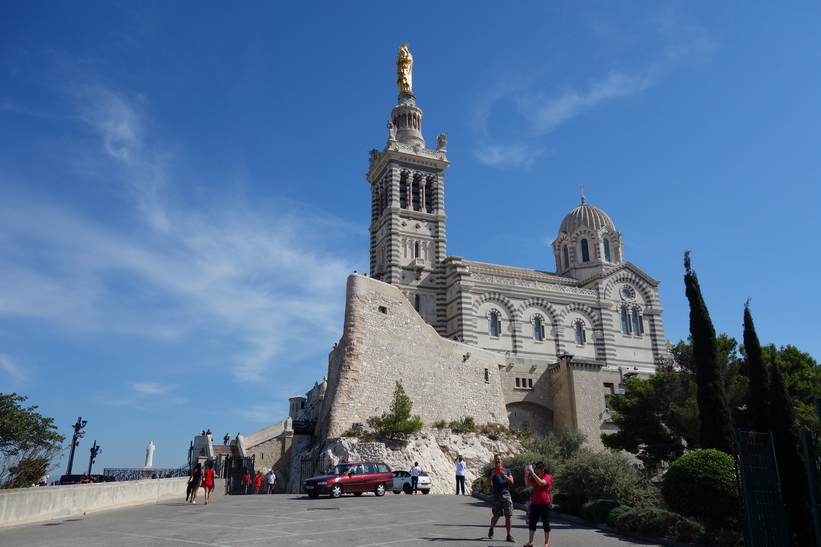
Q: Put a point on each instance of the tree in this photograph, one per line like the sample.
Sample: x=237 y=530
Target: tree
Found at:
x=790 y=460
x=658 y=418
x=759 y=401
x=28 y=442
x=397 y=423
x=716 y=421
x=802 y=377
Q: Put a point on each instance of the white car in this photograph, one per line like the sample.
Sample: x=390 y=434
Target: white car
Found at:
x=402 y=482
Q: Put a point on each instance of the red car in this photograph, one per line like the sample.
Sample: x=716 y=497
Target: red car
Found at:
x=351 y=478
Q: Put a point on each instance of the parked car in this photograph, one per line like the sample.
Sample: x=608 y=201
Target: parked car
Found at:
x=351 y=478
x=402 y=482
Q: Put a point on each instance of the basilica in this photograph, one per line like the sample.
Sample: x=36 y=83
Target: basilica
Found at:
x=538 y=349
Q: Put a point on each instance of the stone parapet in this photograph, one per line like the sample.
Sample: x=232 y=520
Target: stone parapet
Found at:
x=38 y=504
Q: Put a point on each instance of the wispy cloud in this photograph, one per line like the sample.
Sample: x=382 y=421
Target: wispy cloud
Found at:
x=8 y=366
x=151 y=389
x=259 y=278
x=539 y=113
x=508 y=155
x=546 y=113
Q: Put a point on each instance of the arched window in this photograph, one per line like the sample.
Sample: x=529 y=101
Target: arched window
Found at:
x=416 y=303
x=625 y=322
x=636 y=322
x=607 y=249
x=403 y=191
x=538 y=328
x=429 y=195
x=566 y=257
x=416 y=194
x=416 y=250
x=495 y=324
x=585 y=251
x=581 y=336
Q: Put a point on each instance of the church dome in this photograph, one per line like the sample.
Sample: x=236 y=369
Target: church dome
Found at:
x=586 y=215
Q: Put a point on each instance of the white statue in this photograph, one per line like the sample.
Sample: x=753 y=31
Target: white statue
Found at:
x=149 y=454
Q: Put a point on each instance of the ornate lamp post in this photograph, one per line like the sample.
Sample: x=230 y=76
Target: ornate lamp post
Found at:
x=94 y=451
x=78 y=434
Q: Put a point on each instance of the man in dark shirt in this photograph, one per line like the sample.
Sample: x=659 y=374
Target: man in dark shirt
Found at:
x=500 y=478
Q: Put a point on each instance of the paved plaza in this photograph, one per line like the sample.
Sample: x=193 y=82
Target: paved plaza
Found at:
x=288 y=520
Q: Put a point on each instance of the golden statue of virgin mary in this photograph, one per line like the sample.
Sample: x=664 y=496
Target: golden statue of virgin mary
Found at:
x=404 y=70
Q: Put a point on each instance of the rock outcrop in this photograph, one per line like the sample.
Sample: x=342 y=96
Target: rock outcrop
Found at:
x=434 y=449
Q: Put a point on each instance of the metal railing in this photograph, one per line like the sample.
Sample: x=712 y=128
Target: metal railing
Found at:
x=141 y=473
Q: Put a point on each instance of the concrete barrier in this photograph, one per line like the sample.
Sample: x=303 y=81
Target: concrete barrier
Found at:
x=37 y=504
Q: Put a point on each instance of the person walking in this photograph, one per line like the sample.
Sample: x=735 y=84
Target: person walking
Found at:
x=196 y=481
x=415 y=471
x=460 y=474
x=541 y=482
x=500 y=478
x=208 y=481
x=257 y=482
x=246 y=481
x=272 y=481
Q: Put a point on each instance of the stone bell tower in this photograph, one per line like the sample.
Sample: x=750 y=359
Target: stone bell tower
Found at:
x=408 y=237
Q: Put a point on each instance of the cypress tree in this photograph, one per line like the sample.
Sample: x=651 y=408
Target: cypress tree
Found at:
x=714 y=411
x=790 y=461
x=759 y=402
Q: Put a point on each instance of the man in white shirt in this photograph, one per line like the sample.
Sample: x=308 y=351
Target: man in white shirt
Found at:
x=415 y=477
x=272 y=480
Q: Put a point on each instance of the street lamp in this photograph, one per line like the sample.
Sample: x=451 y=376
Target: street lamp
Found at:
x=94 y=451
x=78 y=434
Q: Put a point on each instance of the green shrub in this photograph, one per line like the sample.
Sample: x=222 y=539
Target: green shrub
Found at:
x=703 y=484
x=612 y=515
x=494 y=432
x=465 y=425
x=568 y=504
x=624 y=523
x=441 y=424
x=655 y=523
x=596 y=511
x=606 y=475
x=687 y=531
x=559 y=447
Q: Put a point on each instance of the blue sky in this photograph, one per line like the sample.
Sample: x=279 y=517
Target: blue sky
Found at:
x=182 y=190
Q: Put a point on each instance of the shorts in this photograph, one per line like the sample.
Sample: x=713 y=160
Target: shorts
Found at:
x=503 y=505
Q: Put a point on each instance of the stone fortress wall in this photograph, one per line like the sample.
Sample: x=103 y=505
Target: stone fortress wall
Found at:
x=385 y=341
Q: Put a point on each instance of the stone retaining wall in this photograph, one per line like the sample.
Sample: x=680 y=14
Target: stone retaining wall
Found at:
x=37 y=504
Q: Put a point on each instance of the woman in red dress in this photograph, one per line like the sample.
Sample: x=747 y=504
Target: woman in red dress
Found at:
x=208 y=481
x=257 y=482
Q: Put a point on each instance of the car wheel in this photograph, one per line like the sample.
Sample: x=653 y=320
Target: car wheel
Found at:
x=407 y=489
x=357 y=494
x=426 y=491
x=313 y=495
x=336 y=491
x=380 y=489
